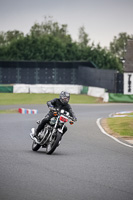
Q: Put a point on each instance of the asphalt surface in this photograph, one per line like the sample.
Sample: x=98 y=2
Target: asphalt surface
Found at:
x=87 y=165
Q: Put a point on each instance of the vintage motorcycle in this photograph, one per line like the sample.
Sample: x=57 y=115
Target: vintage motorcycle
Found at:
x=52 y=133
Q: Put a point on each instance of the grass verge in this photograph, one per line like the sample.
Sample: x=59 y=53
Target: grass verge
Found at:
x=123 y=126
x=14 y=99
x=9 y=111
x=119 y=127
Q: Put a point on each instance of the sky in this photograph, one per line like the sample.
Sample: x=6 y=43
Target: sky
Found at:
x=102 y=19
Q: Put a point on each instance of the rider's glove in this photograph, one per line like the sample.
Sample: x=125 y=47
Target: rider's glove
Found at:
x=74 y=119
x=51 y=108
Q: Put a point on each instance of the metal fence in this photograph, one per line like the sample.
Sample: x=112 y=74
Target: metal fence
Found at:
x=81 y=73
x=40 y=72
x=98 y=78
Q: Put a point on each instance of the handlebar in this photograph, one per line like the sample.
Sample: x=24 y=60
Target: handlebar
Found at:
x=57 y=111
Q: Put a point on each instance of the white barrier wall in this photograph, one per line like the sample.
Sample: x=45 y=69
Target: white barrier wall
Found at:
x=56 y=89
x=73 y=89
x=36 y=89
x=46 y=88
x=21 y=88
x=106 y=97
x=96 y=92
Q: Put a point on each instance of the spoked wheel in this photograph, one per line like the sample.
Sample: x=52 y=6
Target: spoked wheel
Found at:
x=53 y=144
x=35 y=146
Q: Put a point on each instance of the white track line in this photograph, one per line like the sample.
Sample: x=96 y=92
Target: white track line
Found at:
x=104 y=132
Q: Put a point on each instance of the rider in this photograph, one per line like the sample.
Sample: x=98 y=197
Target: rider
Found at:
x=57 y=103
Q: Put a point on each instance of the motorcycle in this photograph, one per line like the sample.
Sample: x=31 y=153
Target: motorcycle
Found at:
x=50 y=137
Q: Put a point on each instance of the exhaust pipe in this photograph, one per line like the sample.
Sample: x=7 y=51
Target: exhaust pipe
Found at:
x=32 y=136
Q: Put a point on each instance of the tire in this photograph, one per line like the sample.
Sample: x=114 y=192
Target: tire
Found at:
x=51 y=147
x=35 y=146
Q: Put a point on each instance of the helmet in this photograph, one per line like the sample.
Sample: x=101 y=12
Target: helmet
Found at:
x=64 y=97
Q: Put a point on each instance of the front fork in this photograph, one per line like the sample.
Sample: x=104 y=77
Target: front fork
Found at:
x=60 y=130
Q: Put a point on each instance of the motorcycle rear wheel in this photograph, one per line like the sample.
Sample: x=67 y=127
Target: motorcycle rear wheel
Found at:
x=52 y=146
x=35 y=146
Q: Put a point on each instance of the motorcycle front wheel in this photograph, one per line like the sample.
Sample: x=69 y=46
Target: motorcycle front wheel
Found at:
x=53 y=144
x=35 y=146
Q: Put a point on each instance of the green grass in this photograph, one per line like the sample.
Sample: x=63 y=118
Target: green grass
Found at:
x=14 y=99
x=8 y=111
x=121 y=125
x=129 y=113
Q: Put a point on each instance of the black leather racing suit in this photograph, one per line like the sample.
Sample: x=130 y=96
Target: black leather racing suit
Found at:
x=56 y=103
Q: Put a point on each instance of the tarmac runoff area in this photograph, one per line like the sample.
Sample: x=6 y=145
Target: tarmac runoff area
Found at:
x=123 y=141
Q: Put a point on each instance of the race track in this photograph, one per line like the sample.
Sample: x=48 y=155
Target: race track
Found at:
x=87 y=165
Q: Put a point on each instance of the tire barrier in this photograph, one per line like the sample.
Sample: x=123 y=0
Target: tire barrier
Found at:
x=27 y=111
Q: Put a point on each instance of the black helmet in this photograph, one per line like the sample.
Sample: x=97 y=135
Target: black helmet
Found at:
x=64 y=97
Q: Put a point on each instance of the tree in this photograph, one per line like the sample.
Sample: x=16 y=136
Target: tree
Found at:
x=2 y=38
x=9 y=36
x=118 y=45
x=83 y=37
x=49 y=27
x=50 y=41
